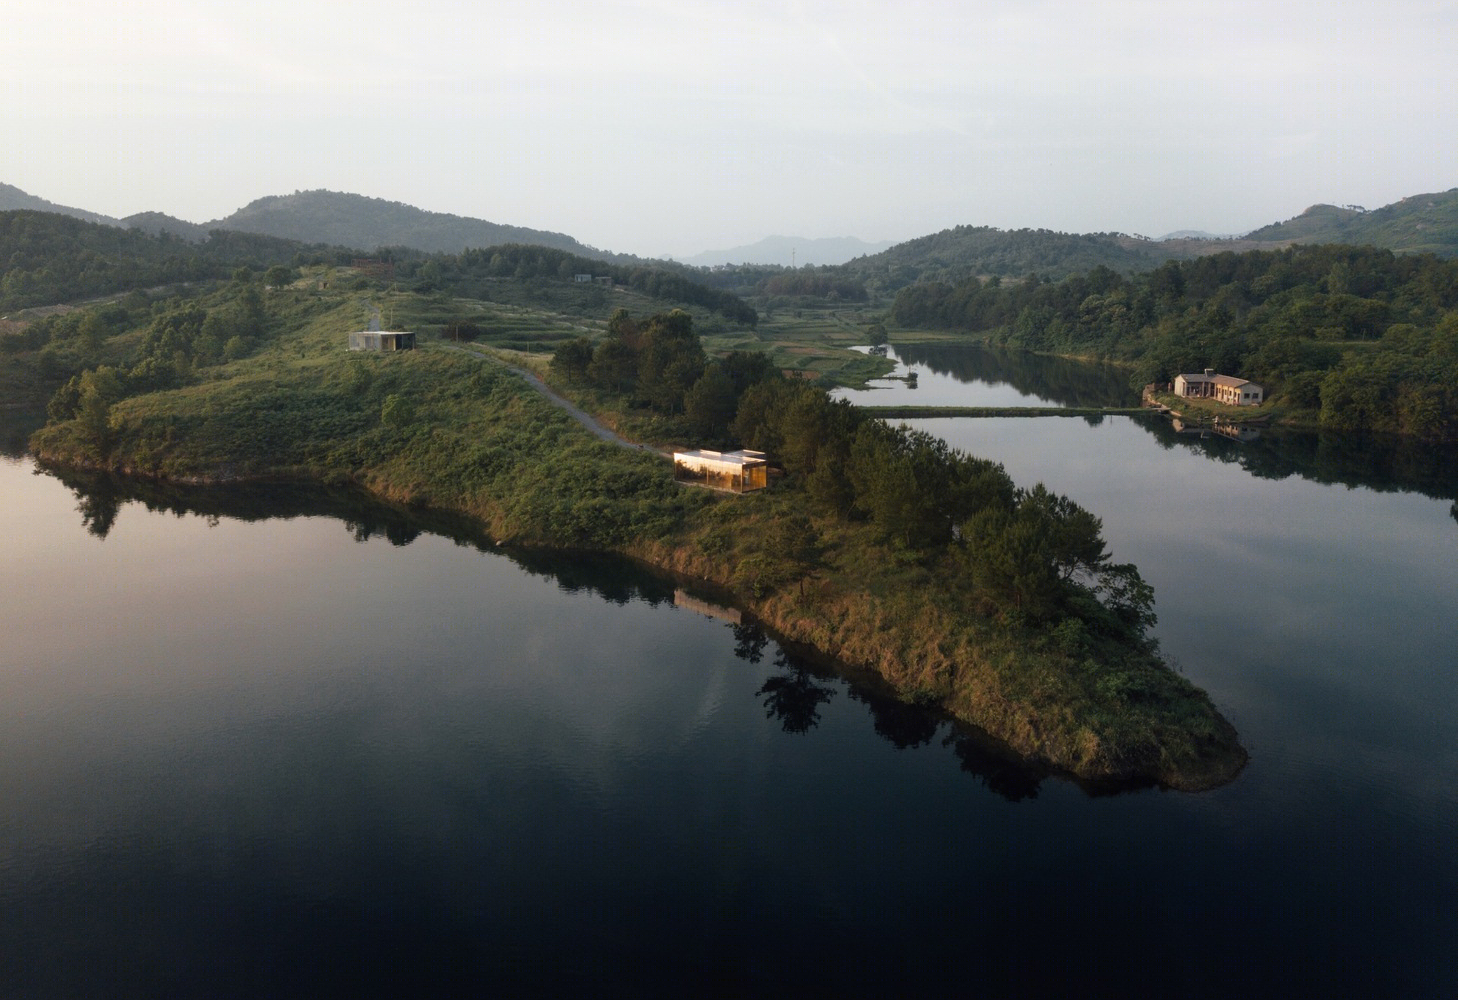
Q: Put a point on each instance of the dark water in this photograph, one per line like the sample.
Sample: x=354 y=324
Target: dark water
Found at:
x=287 y=743
x=976 y=375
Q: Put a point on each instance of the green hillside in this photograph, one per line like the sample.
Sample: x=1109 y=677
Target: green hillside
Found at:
x=1349 y=338
x=956 y=253
x=1423 y=223
x=51 y=258
x=947 y=257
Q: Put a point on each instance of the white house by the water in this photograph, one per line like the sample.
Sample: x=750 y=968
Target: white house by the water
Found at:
x=1222 y=388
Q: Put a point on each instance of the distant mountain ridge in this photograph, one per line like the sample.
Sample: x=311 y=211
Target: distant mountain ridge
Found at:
x=1420 y=223
x=1425 y=223
x=1195 y=234
x=13 y=199
x=354 y=220
x=790 y=251
x=332 y=218
x=157 y=223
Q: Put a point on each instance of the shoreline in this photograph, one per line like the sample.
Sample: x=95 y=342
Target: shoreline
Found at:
x=457 y=433
x=852 y=640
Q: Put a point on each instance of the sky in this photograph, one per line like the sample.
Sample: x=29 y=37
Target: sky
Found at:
x=669 y=127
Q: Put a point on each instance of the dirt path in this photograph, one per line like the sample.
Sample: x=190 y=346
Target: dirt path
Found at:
x=577 y=413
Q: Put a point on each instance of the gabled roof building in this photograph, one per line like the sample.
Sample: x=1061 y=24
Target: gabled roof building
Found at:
x=1222 y=388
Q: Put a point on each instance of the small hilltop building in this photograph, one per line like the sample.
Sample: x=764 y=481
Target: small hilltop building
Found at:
x=381 y=340
x=736 y=471
x=1222 y=388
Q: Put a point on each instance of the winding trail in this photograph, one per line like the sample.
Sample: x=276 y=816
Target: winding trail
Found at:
x=575 y=412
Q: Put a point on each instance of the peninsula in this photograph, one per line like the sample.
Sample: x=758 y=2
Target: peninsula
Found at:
x=879 y=547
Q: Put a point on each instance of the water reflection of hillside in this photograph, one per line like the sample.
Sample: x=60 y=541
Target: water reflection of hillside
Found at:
x=100 y=496
x=1069 y=383
x=793 y=694
x=1387 y=465
x=16 y=427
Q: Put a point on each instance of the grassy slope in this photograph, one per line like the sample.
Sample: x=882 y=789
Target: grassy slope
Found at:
x=1425 y=223
x=482 y=442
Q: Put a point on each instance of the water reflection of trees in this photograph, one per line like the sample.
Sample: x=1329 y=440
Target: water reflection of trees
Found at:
x=1071 y=383
x=794 y=693
x=607 y=577
x=100 y=496
x=750 y=641
x=1010 y=778
x=16 y=427
x=98 y=507
x=1384 y=464
x=794 y=696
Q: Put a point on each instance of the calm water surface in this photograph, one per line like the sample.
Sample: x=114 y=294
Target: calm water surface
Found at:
x=975 y=375
x=337 y=751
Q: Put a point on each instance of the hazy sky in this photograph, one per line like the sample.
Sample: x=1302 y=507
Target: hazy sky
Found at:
x=678 y=126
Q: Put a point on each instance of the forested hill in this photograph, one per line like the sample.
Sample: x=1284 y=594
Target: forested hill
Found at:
x=470 y=274
x=12 y=199
x=1363 y=338
x=368 y=223
x=947 y=257
x=50 y=258
x=953 y=254
x=157 y=223
x=1424 y=223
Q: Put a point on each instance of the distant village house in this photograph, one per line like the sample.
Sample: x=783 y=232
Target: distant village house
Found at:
x=1221 y=388
x=735 y=471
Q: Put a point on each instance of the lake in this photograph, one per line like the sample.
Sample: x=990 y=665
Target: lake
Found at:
x=277 y=742
x=975 y=375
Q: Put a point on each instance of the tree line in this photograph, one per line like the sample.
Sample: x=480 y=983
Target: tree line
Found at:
x=658 y=363
x=50 y=258
x=182 y=337
x=947 y=257
x=1028 y=551
x=1364 y=338
x=467 y=273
